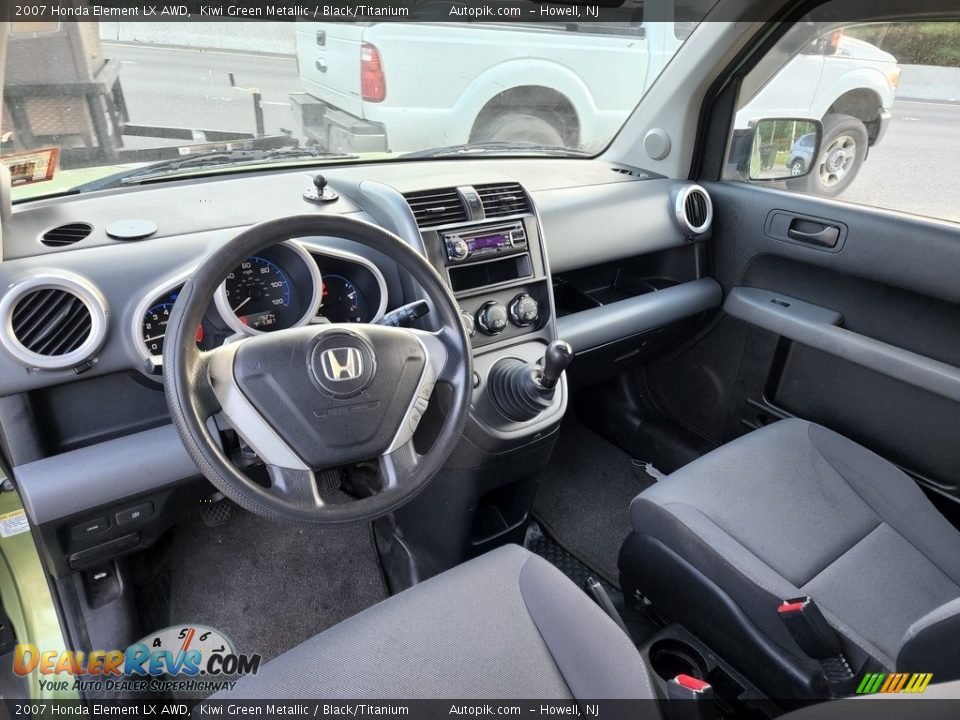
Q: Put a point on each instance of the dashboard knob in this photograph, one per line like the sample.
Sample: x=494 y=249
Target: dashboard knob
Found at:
x=492 y=318
x=469 y=323
x=458 y=249
x=524 y=310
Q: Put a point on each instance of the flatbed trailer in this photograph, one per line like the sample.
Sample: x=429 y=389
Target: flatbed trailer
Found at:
x=81 y=109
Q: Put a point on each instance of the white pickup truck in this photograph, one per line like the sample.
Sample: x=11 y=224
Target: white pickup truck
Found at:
x=391 y=87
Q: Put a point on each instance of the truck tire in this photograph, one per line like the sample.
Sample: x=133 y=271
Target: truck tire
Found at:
x=519 y=127
x=842 y=152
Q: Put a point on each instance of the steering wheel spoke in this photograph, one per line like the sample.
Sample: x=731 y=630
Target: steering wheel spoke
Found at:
x=398 y=464
x=453 y=360
x=295 y=486
x=204 y=397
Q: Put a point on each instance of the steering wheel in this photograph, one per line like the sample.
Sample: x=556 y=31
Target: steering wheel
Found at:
x=310 y=398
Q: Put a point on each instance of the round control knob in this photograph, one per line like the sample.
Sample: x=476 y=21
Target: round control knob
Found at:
x=469 y=324
x=524 y=310
x=492 y=318
x=459 y=250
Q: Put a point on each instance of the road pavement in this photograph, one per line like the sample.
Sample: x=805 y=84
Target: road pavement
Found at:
x=914 y=169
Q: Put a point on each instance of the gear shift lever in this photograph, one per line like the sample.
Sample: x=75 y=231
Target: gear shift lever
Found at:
x=521 y=391
x=556 y=359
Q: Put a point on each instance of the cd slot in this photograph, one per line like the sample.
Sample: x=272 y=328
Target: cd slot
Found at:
x=492 y=272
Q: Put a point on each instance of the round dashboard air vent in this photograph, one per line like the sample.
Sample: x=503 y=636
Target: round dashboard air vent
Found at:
x=694 y=210
x=66 y=234
x=52 y=322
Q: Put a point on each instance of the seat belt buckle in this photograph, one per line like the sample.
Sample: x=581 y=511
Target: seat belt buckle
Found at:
x=690 y=698
x=811 y=631
x=809 y=628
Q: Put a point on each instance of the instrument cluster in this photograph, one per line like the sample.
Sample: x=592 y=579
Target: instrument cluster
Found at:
x=281 y=287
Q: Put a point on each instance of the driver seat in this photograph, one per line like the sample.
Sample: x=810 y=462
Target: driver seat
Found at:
x=505 y=625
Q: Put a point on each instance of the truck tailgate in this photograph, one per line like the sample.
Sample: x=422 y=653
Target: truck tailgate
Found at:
x=329 y=58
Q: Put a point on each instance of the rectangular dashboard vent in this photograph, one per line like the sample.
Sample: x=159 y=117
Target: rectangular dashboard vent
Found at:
x=502 y=199
x=437 y=207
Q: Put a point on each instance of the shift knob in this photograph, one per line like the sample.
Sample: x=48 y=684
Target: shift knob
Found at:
x=556 y=359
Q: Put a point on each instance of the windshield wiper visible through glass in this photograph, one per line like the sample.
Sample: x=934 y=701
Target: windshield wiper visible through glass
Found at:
x=213 y=158
x=498 y=148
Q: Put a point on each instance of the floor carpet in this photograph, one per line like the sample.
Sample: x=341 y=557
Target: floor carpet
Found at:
x=267 y=586
x=584 y=497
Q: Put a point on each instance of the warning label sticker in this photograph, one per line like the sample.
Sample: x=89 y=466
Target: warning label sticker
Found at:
x=13 y=523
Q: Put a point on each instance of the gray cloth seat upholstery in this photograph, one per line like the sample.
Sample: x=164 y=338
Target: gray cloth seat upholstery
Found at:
x=789 y=510
x=506 y=625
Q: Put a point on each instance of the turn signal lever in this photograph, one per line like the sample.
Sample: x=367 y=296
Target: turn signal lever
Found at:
x=521 y=391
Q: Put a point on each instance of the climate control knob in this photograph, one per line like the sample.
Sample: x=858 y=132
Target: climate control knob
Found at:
x=492 y=318
x=524 y=310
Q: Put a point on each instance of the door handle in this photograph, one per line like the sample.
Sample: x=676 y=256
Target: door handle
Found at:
x=813 y=233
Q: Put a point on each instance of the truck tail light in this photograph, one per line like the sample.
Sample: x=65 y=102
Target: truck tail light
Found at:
x=373 y=85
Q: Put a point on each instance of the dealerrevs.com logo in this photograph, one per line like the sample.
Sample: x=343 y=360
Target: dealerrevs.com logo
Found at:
x=190 y=658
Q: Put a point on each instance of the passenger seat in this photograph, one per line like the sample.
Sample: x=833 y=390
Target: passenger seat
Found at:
x=789 y=511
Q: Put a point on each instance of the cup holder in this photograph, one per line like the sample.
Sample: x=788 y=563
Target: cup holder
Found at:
x=670 y=658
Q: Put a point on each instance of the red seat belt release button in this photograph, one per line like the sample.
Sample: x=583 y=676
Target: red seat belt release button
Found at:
x=690 y=698
x=691 y=683
x=809 y=628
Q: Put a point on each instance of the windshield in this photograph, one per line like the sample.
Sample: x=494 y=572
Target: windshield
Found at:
x=89 y=105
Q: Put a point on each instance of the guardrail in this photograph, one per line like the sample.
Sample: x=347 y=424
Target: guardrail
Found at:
x=930 y=83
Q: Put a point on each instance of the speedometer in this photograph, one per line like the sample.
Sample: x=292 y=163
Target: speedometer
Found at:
x=276 y=289
x=259 y=293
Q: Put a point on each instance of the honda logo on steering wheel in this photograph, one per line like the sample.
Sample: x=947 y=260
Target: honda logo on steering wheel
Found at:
x=345 y=363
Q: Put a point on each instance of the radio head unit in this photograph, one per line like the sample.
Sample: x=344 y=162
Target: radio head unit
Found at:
x=484 y=243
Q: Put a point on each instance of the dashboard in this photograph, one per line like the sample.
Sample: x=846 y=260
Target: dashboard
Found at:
x=83 y=324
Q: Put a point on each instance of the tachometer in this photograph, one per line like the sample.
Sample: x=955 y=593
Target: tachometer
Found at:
x=342 y=301
x=153 y=327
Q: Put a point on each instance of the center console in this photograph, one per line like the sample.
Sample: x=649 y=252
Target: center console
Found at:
x=493 y=258
x=485 y=241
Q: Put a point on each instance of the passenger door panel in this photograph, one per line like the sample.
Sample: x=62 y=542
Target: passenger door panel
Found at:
x=862 y=336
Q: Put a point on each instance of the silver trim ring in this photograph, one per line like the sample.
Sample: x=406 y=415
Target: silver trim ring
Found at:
x=680 y=211
x=314 y=248
x=233 y=322
x=147 y=302
x=81 y=288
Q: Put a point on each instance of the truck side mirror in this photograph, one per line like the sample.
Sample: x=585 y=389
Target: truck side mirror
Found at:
x=783 y=148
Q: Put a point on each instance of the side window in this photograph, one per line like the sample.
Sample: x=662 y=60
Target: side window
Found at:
x=888 y=96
